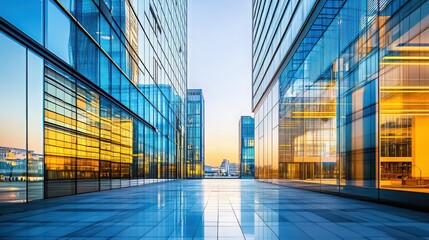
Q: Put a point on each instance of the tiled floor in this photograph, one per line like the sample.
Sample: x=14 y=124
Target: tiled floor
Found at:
x=211 y=209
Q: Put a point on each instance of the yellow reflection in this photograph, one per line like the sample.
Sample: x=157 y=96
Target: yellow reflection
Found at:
x=404 y=63
x=305 y=113
x=313 y=114
x=407 y=114
x=411 y=48
x=311 y=103
x=405 y=110
x=406 y=57
x=404 y=87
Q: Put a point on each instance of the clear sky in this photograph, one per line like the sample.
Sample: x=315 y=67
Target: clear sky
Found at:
x=219 y=62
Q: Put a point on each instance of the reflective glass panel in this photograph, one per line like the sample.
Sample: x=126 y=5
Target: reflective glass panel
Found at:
x=64 y=44
x=35 y=127
x=13 y=159
x=404 y=112
x=25 y=15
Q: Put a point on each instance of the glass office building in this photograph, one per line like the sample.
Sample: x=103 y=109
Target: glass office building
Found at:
x=246 y=138
x=92 y=95
x=195 y=134
x=340 y=97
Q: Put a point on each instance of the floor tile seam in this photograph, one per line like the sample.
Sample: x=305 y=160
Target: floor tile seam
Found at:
x=25 y=211
x=168 y=235
x=342 y=213
x=195 y=233
x=266 y=224
x=400 y=230
x=32 y=208
x=26 y=237
x=152 y=227
x=356 y=231
x=218 y=217
x=336 y=234
x=368 y=220
x=427 y=237
x=236 y=218
x=76 y=221
x=383 y=217
x=85 y=227
x=308 y=234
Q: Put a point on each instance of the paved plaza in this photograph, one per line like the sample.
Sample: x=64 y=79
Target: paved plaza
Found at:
x=210 y=209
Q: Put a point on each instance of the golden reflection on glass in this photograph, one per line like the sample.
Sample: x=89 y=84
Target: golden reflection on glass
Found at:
x=309 y=146
x=404 y=103
x=78 y=134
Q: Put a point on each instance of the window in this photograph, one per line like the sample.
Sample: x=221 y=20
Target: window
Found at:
x=64 y=44
x=13 y=155
x=26 y=15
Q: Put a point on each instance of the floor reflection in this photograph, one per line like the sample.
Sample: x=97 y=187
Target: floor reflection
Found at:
x=209 y=209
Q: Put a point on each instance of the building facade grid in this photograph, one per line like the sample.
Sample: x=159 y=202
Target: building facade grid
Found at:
x=100 y=95
x=344 y=111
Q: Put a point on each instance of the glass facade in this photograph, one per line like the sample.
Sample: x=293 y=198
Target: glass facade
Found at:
x=247 y=146
x=345 y=112
x=195 y=125
x=93 y=94
x=275 y=25
x=21 y=124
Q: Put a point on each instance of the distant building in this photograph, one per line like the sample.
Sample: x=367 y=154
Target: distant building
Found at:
x=247 y=146
x=233 y=169
x=210 y=171
x=207 y=168
x=195 y=134
x=14 y=166
x=228 y=168
x=224 y=167
x=215 y=171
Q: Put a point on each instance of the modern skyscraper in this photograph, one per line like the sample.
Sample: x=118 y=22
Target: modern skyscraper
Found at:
x=247 y=146
x=195 y=134
x=92 y=95
x=339 y=95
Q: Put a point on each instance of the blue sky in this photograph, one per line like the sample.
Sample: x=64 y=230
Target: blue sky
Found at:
x=219 y=62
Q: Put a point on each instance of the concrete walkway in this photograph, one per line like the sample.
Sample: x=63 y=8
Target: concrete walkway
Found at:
x=210 y=209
